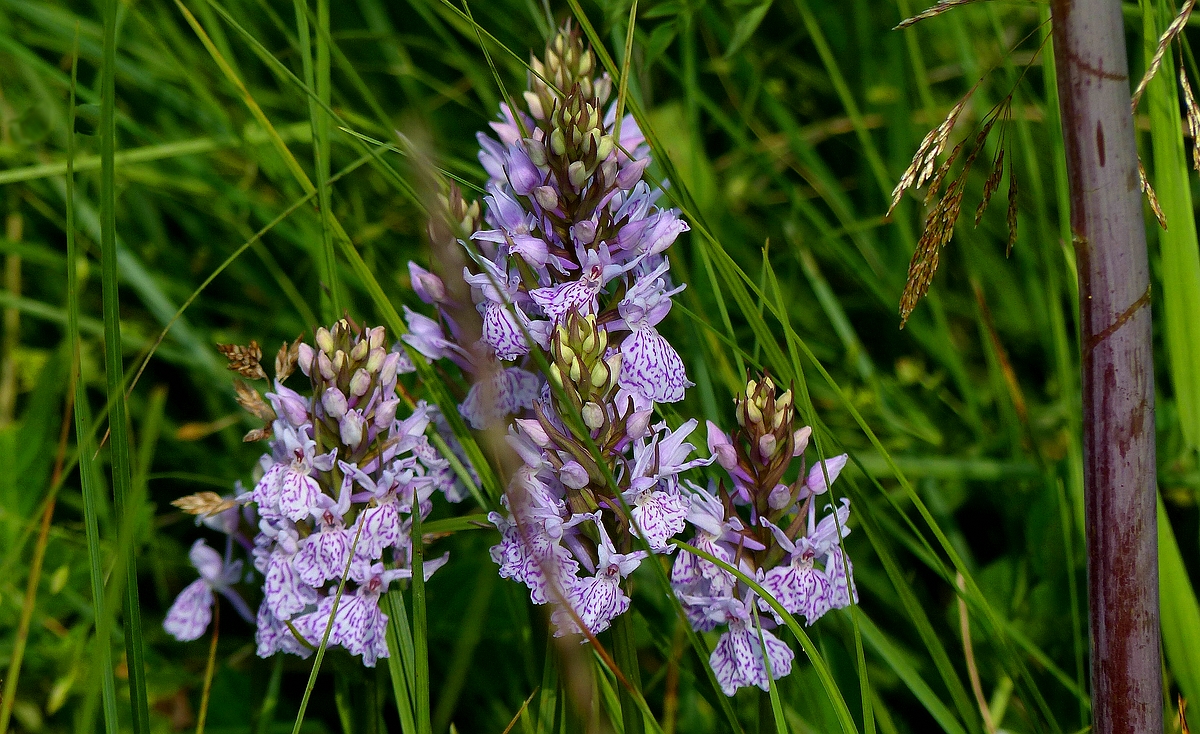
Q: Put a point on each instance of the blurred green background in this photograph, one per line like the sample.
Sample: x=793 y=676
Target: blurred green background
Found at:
x=785 y=125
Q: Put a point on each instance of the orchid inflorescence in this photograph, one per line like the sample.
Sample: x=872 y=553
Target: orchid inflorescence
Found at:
x=769 y=531
x=334 y=500
x=569 y=279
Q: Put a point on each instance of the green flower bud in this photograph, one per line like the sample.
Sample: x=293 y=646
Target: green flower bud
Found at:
x=558 y=142
x=325 y=340
x=577 y=174
x=593 y=415
x=605 y=147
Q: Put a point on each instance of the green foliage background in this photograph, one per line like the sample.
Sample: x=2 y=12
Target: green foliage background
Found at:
x=783 y=127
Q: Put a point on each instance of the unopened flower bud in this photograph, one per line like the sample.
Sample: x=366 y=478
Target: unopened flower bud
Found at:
x=800 y=440
x=632 y=173
x=816 y=475
x=780 y=497
x=536 y=150
x=593 y=415
x=577 y=174
x=334 y=402
x=304 y=358
x=638 y=424
x=387 y=372
x=584 y=232
x=325 y=366
x=576 y=371
x=614 y=367
x=360 y=383
x=534 y=430
x=359 y=352
x=573 y=475
x=385 y=413
x=599 y=376
x=753 y=413
x=558 y=142
x=766 y=446
x=375 y=359
x=428 y=287
x=339 y=360
x=325 y=340
x=379 y=334
x=605 y=147
x=555 y=374
x=546 y=197
x=351 y=428
x=535 y=105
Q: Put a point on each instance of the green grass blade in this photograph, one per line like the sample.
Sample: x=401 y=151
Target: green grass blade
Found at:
x=88 y=474
x=1178 y=243
x=420 y=629
x=120 y=454
x=399 y=654
x=1180 y=616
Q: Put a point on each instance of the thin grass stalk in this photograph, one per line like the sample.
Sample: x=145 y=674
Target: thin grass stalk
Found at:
x=89 y=481
x=1117 y=363
x=209 y=668
x=119 y=455
x=420 y=630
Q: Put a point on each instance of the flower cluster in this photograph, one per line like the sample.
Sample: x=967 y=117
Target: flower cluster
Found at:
x=334 y=503
x=569 y=227
x=768 y=530
x=569 y=272
x=589 y=488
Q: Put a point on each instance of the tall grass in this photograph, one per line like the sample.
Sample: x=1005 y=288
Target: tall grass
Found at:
x=227 y=177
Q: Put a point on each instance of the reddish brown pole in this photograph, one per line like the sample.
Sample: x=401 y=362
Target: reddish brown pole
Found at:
x=1117 y=362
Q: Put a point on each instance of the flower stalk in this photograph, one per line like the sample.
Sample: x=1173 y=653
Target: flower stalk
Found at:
x=1117 y=361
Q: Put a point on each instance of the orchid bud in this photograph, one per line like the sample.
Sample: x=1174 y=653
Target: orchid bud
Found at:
x=375 y=359
x=325 y=340
x=304 y=358
x=638 y=424
x=387 y=372
x=780 y=497
x=632 y=173
x=324 y=366
x=600 y=376
x=378 y=335
x=605 y=147
x=535 y=105
x=573 y=475
x=339 y=360
x=536 y=150
x=546 y=197
x=577 y=174
x=558 y=142
x=360 y=383
x=385 y=413
x=334 y=402
x=766 y=446
x=593 y=415
x=584 y=232
x=534 y=430
x=351 y=428
x=816 y=475
x=800 y=440
x=359 y=352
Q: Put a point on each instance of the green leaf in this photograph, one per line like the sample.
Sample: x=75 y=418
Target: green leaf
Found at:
x=746 y=25
x=1180 y=617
